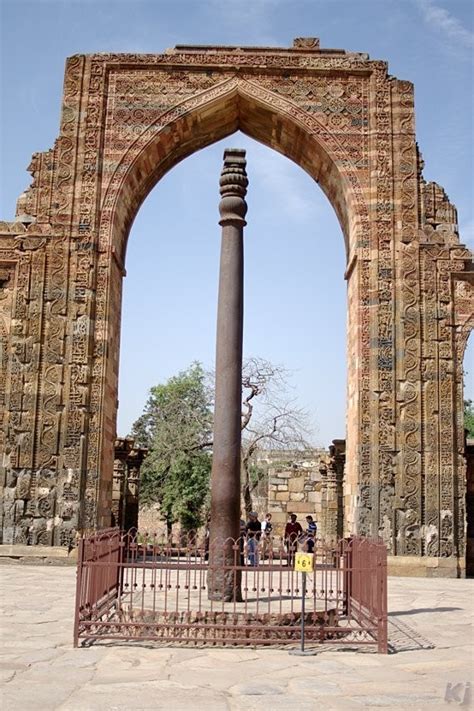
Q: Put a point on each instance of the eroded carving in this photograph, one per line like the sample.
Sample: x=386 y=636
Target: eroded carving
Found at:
x=351 y=126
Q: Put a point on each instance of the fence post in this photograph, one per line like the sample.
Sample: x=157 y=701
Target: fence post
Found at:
x=346 y=544
x=382 y=595
x=80 y=560
x=121 y=559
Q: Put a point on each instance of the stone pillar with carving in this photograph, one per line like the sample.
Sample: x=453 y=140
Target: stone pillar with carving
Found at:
x=225 y=479
x=331 y=469
x=323 y=471
x=339 y=464
x=128 y=458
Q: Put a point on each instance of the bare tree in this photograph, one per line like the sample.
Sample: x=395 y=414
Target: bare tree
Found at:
x=270 y=420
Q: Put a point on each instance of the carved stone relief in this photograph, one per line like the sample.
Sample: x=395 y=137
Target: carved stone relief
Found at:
x=126 y=120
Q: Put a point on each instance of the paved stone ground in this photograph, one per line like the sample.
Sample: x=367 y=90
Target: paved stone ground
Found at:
x=430 y=630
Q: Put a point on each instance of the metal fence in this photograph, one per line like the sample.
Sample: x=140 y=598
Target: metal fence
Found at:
x=133 y=586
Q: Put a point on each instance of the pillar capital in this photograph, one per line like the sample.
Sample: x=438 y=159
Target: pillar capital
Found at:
x=233 y=188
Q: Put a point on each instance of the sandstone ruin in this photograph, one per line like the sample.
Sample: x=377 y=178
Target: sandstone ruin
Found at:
x=126 y=120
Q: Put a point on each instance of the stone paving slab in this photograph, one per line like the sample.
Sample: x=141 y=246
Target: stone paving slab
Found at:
x=430 y=629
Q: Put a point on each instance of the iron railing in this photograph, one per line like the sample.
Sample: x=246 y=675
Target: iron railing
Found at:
x=133 y=586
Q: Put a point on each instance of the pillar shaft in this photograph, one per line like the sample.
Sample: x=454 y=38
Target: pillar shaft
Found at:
x=225 y=479
x=228 y=400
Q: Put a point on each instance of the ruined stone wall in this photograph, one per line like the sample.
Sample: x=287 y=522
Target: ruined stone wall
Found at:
x=294 y=486
x=128 y=458
x=305 y=483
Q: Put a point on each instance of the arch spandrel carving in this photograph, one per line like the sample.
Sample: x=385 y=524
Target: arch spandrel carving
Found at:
x=126 y=120
x=235 y=103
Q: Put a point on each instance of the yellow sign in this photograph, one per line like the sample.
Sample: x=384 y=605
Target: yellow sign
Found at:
x=304 y=562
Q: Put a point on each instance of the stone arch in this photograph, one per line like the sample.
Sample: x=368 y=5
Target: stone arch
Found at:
x=192 y=124
x=128 y=118
x=235 y=104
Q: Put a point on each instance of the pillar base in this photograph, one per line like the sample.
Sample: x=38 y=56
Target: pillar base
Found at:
x=35 y=555
x=425 y=567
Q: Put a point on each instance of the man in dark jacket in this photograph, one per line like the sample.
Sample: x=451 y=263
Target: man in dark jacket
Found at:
x=253 y=530
x=293 y=532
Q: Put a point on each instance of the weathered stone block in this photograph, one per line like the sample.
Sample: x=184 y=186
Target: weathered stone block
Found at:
x=297 y=496
x=299 y=507
x=8 y=495
x=23 y=485
x=11 y=478
x=274 y=507
x=296 y=484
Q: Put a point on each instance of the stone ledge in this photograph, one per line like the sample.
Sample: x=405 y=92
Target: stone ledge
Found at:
x=425 y=567
x=37 y=555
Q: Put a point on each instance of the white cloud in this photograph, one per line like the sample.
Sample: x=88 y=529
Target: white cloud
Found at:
x=444 y=22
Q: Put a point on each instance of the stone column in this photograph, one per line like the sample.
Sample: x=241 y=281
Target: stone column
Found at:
x=322 y=523
x=340 y=463
x=225 y=480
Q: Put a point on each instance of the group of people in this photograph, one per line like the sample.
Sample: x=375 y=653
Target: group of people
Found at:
x=258 y=535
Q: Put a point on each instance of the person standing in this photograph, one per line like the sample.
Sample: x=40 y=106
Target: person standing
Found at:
x=293 y=532
x=311 y=530
x=253 y=530
x=267 y=528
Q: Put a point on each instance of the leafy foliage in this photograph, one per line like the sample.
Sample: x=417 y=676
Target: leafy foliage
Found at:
x=469 y=418
x=176 y=426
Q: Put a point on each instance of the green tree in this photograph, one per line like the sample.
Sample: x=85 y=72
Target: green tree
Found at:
x=176 y=426
x=469 y=418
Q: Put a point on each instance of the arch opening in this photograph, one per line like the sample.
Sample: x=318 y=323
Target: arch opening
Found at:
x=282 y=129
x=281 y=274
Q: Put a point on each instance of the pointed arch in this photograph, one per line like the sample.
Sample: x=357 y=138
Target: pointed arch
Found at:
x=209 y=116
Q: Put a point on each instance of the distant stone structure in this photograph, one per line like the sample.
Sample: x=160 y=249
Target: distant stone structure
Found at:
x=129 y=118
x=128 y=458
x=294 y=485
x=308 y=482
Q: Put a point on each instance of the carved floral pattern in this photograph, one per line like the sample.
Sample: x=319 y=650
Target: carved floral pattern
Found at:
x=125 y=120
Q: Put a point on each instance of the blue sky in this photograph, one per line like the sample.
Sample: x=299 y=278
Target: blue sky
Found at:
x=295 y=292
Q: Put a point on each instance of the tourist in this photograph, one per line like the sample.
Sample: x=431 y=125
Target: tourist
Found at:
x=253 y=530
x=293 y=532
x=311 y=529
x=267 y=528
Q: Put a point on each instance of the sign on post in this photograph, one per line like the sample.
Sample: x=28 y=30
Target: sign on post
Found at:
x=304 y=562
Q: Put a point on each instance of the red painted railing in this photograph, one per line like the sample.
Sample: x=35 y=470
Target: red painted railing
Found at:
x=133 y=586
